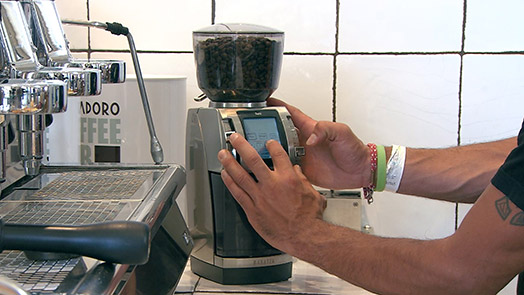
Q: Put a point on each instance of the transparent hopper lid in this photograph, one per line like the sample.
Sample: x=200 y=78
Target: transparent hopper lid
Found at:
x=238 y=62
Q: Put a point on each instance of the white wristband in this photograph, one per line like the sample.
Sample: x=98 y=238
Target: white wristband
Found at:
x=395 y=168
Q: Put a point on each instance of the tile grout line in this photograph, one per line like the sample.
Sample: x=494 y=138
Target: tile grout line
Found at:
x=334 y=87
x=461 y=77
x=213 y=11
x=88 y=32
x=317 y=53
x=462 y=54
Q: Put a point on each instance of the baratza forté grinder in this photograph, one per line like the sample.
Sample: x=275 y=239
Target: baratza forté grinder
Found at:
x=238 y=68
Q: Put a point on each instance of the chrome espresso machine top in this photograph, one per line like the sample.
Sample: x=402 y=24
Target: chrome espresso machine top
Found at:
x=238 y=68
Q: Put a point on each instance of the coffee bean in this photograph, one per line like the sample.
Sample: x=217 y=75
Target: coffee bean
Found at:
x=243 y=69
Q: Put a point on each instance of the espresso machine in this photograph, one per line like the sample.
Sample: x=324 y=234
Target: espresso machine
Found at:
x=238 y=68
x=74 y=229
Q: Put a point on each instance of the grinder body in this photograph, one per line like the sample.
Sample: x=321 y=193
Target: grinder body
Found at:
x=227 y=249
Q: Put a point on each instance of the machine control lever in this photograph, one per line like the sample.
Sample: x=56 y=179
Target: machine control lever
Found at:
x=123 y=242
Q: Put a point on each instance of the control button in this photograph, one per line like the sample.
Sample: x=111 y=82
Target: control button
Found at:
x=228 y=143
x=300 y=151
x=228 y=134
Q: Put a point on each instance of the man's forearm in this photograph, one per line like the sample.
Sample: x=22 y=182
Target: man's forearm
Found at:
x=382 y=265
x=454 y=174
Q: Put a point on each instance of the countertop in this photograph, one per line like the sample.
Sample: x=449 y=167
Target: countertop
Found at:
x=306 y=279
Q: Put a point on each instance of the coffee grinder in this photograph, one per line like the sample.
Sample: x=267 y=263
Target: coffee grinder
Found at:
x=238 y=68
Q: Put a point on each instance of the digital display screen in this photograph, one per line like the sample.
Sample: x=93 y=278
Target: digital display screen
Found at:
x=260 y=130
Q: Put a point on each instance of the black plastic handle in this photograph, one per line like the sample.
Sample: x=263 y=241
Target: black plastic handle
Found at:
x=124 y=242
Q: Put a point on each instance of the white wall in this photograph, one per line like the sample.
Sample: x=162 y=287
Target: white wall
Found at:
x=431 y=73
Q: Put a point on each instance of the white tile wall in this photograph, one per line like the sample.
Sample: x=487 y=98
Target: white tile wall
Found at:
x=410 y=100
x=159 y=25
x=306 y=82
x=407 y=25
x=309 y=25
x=385 y=92
x=492 y=97
x=494 y=25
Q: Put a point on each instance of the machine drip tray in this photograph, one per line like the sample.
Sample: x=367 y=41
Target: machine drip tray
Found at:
x=80 y=196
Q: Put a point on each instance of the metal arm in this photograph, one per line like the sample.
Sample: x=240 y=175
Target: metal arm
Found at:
x=117 y=29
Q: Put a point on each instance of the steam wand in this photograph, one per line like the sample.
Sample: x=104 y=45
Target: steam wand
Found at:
x=119 y=29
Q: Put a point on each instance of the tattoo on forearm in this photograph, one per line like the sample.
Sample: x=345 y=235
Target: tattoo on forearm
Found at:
x=518 y=219
x=504 y=211
x=503 y=208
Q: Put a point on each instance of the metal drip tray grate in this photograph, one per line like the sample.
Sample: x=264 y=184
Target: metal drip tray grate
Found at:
x=70 y=213
x=93 y=185
x=43 y=277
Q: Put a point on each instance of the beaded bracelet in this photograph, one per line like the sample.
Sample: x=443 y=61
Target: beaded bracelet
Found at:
x=378 y=171
x=368 y=191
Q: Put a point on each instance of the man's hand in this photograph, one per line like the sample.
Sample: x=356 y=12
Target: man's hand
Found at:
x=335 y=157
x=280 y=202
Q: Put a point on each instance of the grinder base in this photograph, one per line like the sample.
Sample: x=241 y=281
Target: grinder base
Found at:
x=242 y=276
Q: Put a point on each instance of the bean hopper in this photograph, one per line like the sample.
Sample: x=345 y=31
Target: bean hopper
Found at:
x=238 y=68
